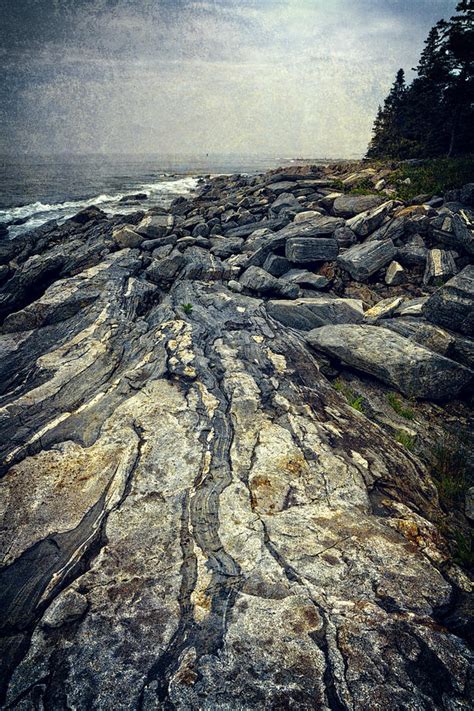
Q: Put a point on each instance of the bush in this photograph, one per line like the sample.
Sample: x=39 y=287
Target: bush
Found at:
x=433 y=177
x=187 y=308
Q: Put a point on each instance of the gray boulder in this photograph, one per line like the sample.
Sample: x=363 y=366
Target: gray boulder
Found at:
x=154 y=226
x=306 y=314
x=363 y=260
x=452 y=306
x=126 y=236
x=257 y=279
x=421 y=332
x=306 y=279
x=350 y=205
x=440 y=266
x=366 y=222
x=276 y=265
x=302 y=250
x=286 y=201
x=319 y=226
x=415 y=371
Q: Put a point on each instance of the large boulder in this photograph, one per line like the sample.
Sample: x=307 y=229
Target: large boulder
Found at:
x=452 y=306
x=350 y=205
x=303 y=250
x=363 y=260
x=415 y=371
x=127 y=236
x=366 y=222
x=306 y=314
x=154 y=226
x=319 y=226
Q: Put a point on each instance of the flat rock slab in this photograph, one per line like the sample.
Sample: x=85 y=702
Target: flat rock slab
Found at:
x=306 y=314
x=318 y=226
x=452 y=306
x=350 y=205
x=303 y=250
x=415 y=371
x=363 y=260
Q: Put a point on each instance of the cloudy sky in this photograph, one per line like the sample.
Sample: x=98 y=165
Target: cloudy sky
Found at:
x=277 y=77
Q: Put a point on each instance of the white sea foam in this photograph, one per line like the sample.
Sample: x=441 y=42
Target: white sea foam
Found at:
x=37 y=213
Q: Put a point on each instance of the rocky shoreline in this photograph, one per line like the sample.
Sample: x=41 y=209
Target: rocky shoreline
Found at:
x=237 y=442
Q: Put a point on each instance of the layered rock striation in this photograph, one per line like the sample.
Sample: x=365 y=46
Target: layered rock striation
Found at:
x=193 y=517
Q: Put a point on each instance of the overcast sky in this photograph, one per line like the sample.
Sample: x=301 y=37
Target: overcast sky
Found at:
x=278 y=77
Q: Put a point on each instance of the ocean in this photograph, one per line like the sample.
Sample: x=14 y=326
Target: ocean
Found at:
x=35 y=189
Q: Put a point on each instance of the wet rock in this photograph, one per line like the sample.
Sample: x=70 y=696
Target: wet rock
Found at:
x=440 y=266
x=395 y=274
x=306 y=314
x=89 y=214
x=452 y=306
x=133 y=198
x=415 y=371
x=303 y=250
x=363 y=260
x=257 y=279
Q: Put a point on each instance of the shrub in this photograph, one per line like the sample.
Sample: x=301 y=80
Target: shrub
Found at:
x=187 y=308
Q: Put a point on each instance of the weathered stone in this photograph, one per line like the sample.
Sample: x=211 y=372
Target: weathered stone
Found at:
x=395 y=274
x=366 y=222
x=201 y=230
x=256 y=279
x=306 y=215
x=276 y=265
x=163 y=271
x=397 y=361
x=452 y=306
x=320 y=226
x=413 y=253
x=306 y=314
x=224 y=247
x=351 y=205
x=68 y=607
x=306 y=279
x=453 y=232
x=423 y=333
x=154 y=226
x=440 y=266
x=286 y=201
x=383 y=309
x=302 y=250
x=363 y=260
x=126 y=236
x=466 y=194
x=413 y=307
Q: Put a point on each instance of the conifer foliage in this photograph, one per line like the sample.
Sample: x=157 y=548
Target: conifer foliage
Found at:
x=434 y=115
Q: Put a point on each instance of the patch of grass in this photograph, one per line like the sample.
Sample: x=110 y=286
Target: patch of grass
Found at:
x=449 y=472
x=397 y=406
x=353 y=399
x=187 y=308
x=405 y=439
x=433 y=177
x=363 y=187
x=464 y=551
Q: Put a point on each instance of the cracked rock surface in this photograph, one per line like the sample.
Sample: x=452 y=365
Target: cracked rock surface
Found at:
x=193 y=518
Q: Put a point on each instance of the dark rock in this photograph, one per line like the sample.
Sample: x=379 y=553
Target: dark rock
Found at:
x=257 y=279
x=424 y=333
x=127 y=237
x=224 y=247
x=149 y=245
x=245 y=230
x=201 y=230
x=413 y=253
x=466 y=194
x=303 y=250
x=133 y=198
x=306 y=279
x=363 y=260
x=452 y=306
x=88 y=214
x=286 y=201
x=440 y=266
x=305 y=314
x=276 y=265
x=415 y=371
x=366 y=222
x=452 y=231
x=319 y=226
x=344 y=236
x=164 y=271
x=155 y=226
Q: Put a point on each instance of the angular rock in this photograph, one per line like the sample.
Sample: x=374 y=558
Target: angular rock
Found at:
x=306 y=279
x=415 y=371
x=452 y=231
x=395 y=274
x=423 y=333
x=351 y=205
x=126 y=236
x=413 y=307
x=164 y=271
x=306 y=215
x=366 y=222
x=302 y=250
x=452 y=306
x=363 y=260
x=383 y=309
x=154 y=226
x=224 y=247
x=257 y=279
x=276 y=265
x=306 y=314
x=320 y=226
x=286 y=201
x=440 y=266
x=413 y=253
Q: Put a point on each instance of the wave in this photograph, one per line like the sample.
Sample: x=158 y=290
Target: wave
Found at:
x=39 y=212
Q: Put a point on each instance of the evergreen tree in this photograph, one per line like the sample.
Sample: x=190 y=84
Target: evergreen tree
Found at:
x=435 y=114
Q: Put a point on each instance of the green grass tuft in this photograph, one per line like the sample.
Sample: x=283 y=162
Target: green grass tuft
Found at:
x=187 y=308
x=405 y=439
x=353 y=399
x=397 y=406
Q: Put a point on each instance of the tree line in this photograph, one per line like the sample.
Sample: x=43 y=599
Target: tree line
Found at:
x=434 y=115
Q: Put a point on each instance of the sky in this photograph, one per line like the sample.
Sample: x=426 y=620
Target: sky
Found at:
x=285 y=78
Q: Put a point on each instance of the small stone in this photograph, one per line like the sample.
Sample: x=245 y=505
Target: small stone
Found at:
x=395 y=274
